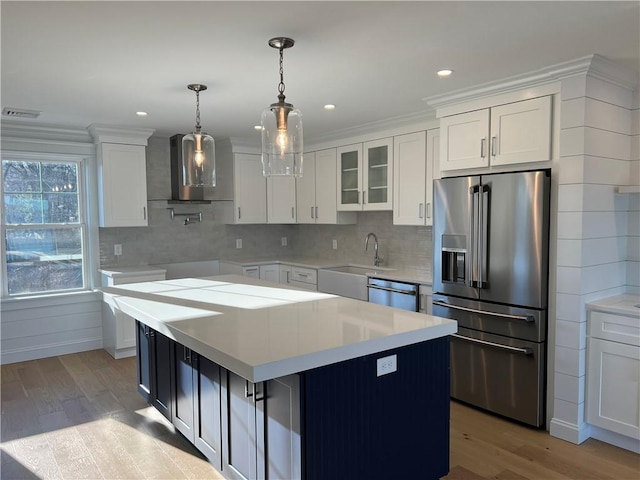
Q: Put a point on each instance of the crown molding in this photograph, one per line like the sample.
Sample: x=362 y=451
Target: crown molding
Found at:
x=592 y=65
x=116 y=134
x=16 y=129
x=385 y=125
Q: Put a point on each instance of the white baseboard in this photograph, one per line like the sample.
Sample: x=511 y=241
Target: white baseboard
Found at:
x=569 y=432
x=45 y=351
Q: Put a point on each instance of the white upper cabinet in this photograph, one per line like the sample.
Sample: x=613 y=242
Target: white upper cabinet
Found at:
x=508 y=134
x=122 y=175
x=122 y=180
x=250 y=189
x=281 y=199
x=365 y=176
x=316 y=190
x=306 y=190
x=414 y=157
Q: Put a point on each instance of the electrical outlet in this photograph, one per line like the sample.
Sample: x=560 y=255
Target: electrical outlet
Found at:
x=117 y=249
x=283 y=241
x=238 y=243
x=335 y=244
x=387 y=365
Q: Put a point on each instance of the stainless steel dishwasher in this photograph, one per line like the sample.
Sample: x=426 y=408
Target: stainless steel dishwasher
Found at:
x=393 y=294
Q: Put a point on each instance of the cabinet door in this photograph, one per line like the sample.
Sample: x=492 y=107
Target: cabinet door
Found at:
x=122 y=182
x=283 y=444
x=143 y=360
x=613 y=387
x=239 y=427
x=162 y=374
x=409 y=179
x=433 y=171
x=285 y=274
x=183 y=391
x=521 y=132
x=281 y=199
x=349 y=177
x=271 y=273
x=250 y=189
x=207 y=421
x=377 y=175
x=464 y=141
x=306 y=190
x=326 y=211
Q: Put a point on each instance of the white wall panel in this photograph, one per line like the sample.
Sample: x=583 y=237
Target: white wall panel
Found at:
x=570 y=361
x=568 y=411
x=569 y=388
x=607 y=92
x=44 y=327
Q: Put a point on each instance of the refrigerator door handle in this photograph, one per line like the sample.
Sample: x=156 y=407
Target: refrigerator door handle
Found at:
x=483 y=227
x=474 y=220
x=525 y=318
x=525 y=351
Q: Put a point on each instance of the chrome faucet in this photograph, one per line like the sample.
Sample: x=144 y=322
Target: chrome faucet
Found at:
x=377 y=260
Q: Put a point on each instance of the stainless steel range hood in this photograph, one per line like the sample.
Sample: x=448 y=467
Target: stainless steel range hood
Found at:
x=178 y=191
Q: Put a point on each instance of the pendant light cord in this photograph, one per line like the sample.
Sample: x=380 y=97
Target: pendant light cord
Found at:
x=281 y=84
x=198 y=127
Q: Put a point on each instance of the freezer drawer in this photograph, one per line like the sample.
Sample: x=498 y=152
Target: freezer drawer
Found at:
x=500 y=374
x=510 y=321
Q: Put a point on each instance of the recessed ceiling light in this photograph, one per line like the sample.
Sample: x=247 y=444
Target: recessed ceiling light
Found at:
x=141 y=114
x=257 y=127
x=329 y=106
x=444 y=72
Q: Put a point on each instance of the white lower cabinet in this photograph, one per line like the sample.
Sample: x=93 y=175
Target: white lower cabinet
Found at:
x=270 y=272
x=306 y=278
x=285 y=274
x=613 y=375
x=118 y=328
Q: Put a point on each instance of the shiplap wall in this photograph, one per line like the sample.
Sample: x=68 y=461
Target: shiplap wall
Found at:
x=596 y=230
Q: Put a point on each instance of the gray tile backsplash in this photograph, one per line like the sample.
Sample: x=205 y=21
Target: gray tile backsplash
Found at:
x=170 y=241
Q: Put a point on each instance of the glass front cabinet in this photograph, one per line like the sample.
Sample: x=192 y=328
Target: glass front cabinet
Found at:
x=365 y=172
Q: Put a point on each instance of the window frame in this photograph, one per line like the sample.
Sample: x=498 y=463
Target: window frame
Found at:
x=83 y=223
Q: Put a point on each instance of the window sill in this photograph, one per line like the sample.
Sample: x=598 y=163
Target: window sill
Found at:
x=47 y=300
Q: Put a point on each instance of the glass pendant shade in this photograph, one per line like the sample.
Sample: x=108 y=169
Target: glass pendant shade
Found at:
x=198 y=160
x=198 y=151
x=282 y=140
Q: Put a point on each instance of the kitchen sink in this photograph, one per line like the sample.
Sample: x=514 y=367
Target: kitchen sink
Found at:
x=347 y=280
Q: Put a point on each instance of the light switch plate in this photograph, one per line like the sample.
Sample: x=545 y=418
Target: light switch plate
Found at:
x=335 y=244
x=117 y=249
x=283 y=241
x=238 y=243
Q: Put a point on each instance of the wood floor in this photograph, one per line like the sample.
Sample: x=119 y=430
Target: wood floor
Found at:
x=79 y=416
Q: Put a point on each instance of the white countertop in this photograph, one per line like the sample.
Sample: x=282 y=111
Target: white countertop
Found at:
x=262 y=331
x=386 y=272
x=131 y=271
x=621 y=304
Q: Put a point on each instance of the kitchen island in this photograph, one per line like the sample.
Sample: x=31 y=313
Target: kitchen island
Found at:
x=269 y=382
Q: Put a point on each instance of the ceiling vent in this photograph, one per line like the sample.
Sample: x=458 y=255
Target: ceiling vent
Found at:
x=19 y=113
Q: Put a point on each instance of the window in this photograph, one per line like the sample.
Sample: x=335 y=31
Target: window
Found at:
x=43 y=226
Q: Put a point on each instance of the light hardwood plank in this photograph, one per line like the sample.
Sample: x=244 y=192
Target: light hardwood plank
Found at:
x=79 y=416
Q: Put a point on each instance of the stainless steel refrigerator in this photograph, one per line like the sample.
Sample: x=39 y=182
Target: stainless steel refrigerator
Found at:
x=490 y=244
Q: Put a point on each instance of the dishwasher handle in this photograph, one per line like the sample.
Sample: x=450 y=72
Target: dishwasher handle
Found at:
x=394 y=290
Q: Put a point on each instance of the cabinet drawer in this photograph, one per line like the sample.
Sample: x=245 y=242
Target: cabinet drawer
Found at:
x=305 y=275
x=617 y=328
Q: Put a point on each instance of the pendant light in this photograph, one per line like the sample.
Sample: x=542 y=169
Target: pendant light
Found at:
x=198 y=153
x=281 y=128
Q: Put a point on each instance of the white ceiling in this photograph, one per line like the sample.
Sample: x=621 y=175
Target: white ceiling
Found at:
x=100 y=62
